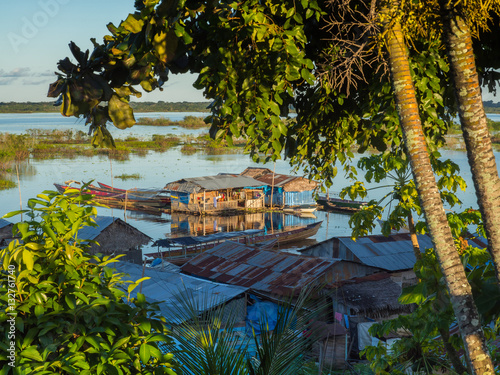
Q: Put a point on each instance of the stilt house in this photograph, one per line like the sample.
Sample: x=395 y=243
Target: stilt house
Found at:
x=287 y=191
x=211 y=194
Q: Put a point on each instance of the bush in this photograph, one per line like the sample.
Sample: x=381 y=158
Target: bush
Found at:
x=72 y=314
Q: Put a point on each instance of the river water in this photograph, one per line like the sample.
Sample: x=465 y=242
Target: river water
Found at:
x=157 y=169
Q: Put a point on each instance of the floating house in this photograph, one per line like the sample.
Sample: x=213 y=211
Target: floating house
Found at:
x=215 y=194
x=287 y=191
x=115 y=236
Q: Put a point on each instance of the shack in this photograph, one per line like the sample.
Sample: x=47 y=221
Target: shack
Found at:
x=270 y=273
x=393 y=253
x=364 y=301
x=215 y=194
x=286 y=191
x=5 y=229
x=276 y=276
x=5 y=232
x=115 y=236
x=374 y=297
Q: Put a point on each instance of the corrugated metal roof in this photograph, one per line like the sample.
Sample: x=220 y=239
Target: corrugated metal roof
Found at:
x=91 y=233
x=4 y=223
x=391 y=253
x=279 y=179
x=297 y=183
x=219 y=182
x=261 y=270
x=167 y=287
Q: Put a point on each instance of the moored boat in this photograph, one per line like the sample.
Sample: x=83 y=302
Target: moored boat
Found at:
x=339 y=204
x=306 y=208
x=182 y=246
x=121 y=198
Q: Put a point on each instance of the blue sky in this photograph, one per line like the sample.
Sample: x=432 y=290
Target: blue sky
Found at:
x=34 y=36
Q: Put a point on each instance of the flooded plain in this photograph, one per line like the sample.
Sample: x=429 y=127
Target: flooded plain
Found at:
x=156 y=169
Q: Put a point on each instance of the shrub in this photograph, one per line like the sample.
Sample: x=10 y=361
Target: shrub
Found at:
x=72 y=315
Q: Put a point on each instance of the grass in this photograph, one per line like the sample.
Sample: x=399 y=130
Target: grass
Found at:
x=189 y=122
x=133 y=176
x=7 y=184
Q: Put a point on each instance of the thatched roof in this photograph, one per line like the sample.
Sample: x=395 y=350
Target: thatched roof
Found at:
x=375 y=295
x=325 y=330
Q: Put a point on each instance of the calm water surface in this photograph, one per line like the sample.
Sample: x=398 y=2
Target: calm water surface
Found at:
x=157 y=169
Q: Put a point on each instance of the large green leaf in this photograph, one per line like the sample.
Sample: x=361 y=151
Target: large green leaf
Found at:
x=120 y=112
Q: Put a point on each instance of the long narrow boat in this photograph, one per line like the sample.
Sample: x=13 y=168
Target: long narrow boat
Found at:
x=183 y=246
x=94 y=190
x=121 y=199
x=136 y=193
x=341 y=205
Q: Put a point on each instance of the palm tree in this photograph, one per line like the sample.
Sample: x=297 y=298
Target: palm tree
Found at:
x=207 y=343
x=432 y=206
x=457 y=34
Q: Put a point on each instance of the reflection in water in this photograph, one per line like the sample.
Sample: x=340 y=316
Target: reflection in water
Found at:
x=10 y=169
x=197 y=225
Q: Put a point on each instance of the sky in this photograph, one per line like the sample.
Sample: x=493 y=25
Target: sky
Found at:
x=34 y=36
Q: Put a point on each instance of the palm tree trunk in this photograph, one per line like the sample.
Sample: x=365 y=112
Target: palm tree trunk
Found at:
x=447 y=255
x=474 y=126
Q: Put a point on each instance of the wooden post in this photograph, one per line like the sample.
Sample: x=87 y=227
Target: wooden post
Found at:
x=20 y=197
x=111 y=170
x=125 y=208
x=272 y=187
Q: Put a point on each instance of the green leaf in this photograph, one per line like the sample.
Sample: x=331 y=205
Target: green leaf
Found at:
x=132 y=24
x=275 y=108
x=39 y=310
x=144 y=353
x=32 y=353
x=120 y=113
x=28 y=259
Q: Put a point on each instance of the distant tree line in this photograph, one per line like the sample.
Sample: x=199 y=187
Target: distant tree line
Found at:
x=490 y=107
x=161 y=106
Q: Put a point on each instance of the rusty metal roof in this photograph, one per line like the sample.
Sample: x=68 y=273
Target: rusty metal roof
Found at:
x=282 y=180
x=219 y=182
x=261 y=270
